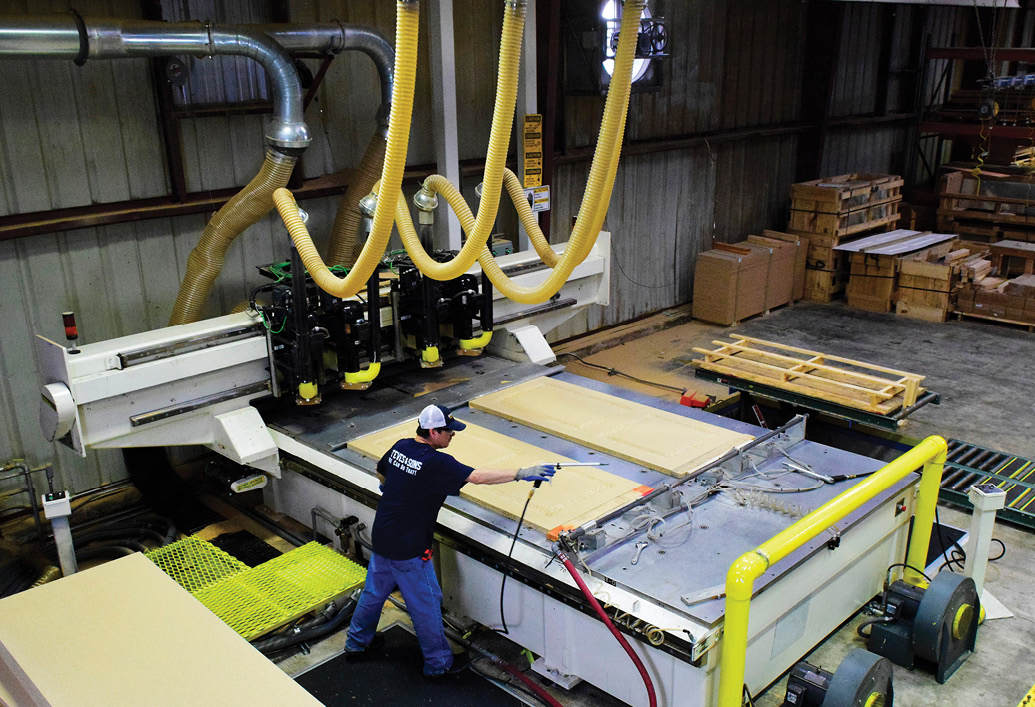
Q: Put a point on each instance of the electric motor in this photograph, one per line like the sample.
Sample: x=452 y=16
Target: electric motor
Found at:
x=862 y=680
x=935 y=627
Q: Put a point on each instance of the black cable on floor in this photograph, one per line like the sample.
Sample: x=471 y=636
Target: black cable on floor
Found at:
x=615 y=372
x=959 y=555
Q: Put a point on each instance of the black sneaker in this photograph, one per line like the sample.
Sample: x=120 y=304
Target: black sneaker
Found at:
x=461 y=661
x=355 y=656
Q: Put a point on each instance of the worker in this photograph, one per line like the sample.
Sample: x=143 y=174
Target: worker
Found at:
x=417 y=476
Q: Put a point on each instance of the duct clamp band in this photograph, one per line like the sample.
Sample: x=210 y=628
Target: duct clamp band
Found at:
x=84 y=43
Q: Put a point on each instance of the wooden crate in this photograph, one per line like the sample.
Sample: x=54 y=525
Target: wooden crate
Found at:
x=871 y=293
x=822 y=257
x=846 y=192
x=826 y=269
x=964 y=197
x=979 y=231
x=928 y=305
x=917 y=218
x=874 y=265
x=845 y=224
x=840 y=380
x=1009 y=255
x=824 y=285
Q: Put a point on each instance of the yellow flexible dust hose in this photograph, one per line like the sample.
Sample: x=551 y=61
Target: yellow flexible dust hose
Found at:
x=341 y=249
x=243 y=210
x=601 y=177
x=478 y=229
x=407 y=23
x=528 y=219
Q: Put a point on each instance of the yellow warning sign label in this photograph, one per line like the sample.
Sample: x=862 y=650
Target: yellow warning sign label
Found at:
x=532 y=150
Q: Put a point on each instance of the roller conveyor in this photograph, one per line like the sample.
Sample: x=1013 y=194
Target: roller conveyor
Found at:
x=969 y=465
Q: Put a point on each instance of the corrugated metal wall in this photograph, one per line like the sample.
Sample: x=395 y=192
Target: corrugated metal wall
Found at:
x=74 y=136
x=735 y=65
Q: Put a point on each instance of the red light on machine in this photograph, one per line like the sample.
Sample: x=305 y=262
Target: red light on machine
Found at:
x=71 y=331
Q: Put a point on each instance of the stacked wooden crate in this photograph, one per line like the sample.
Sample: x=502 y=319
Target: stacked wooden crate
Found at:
x=988 y=209
x=874 y=264
x=1006 y=290
x=928 y=283
x=832 y=210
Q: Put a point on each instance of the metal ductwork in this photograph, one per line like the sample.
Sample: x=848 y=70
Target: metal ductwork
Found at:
x=79 y=39
x=335 y=37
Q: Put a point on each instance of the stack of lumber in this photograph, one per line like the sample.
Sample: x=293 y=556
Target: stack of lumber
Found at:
x=832 y=210
x=1001 y=287
x=874 y=264
x=842 y=381
x=735 y=281
x=991 y=208
x=928 y=283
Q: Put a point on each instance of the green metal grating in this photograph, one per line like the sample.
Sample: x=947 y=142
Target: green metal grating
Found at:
x=195 y=563
x=255 y=601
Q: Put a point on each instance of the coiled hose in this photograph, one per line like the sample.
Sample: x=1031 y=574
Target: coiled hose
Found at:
x=477 y=228
x=315 y=628
x=408 y=14
x=47 y=576
x=563 y=557
x=601 y=180
x=342 y=246
x=243 y=210
x=591 y=213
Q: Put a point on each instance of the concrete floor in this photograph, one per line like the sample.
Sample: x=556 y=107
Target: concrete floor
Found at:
x=982 y=373
x=982 y=370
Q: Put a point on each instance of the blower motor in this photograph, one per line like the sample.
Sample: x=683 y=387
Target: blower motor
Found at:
x=862 y=680
x=934 y=627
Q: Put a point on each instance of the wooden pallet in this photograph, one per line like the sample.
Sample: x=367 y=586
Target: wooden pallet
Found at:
x=843 y=381
x=1030 y=326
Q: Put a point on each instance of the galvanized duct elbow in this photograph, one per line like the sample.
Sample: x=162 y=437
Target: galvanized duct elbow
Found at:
x=336 y=37
x=77 y=38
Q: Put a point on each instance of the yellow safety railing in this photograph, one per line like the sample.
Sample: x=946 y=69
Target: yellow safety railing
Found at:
x=740 y=579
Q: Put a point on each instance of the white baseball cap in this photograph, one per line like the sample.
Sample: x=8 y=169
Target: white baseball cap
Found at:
x=435 y=417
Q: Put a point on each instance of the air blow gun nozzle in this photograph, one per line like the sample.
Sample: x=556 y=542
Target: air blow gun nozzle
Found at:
x=561 y=465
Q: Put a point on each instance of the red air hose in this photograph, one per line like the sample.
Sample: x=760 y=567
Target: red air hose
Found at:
x=532 y=684
x=563 y=557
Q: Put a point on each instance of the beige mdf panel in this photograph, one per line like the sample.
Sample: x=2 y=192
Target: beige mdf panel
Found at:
x=575 y=495
x=657 y=439
x=124 y=633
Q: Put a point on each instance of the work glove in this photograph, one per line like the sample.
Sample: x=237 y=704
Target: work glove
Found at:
x=539 y=472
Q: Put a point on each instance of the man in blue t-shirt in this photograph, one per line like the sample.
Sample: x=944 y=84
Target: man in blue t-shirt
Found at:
x=417 y=478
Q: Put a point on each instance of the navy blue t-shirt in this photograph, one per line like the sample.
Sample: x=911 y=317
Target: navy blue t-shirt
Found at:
x=417 y=479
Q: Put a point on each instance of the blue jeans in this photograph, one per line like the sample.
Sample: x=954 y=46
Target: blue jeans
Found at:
x=419 y=587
